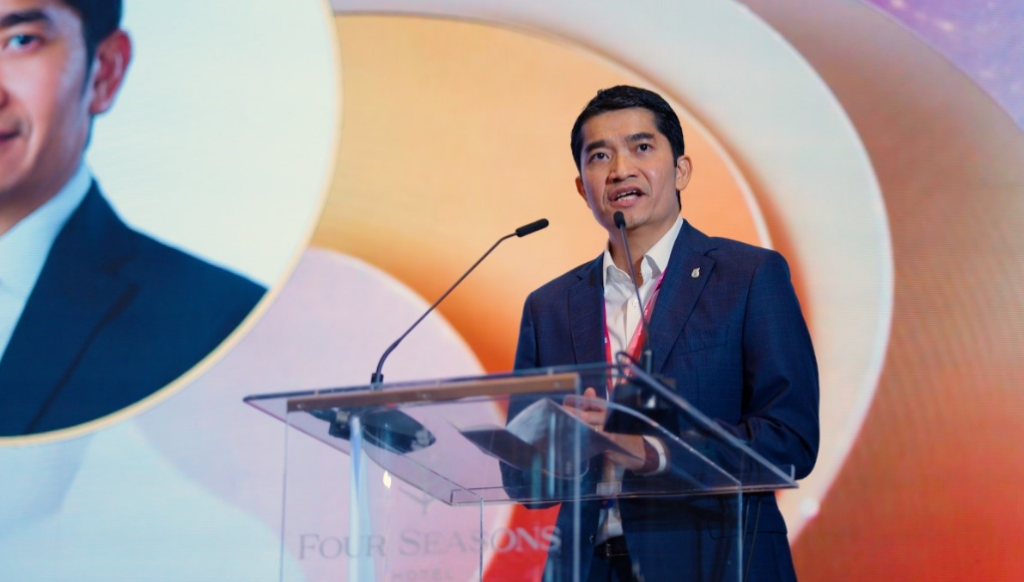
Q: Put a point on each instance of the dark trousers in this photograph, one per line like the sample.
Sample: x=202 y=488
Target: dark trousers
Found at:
x=613 y=566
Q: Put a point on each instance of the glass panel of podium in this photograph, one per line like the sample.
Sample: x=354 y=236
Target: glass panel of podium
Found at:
x=495 y=478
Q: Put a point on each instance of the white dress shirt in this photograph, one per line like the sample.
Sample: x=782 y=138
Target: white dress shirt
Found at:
x=622 y=316
x=24 y=248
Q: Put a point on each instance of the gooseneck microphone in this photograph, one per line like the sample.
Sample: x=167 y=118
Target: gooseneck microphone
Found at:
x=646 y=357
x=378 y=378
x=520 y=232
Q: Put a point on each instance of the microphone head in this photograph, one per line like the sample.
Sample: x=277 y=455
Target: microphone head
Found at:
x=620 y=219
x=532 y=227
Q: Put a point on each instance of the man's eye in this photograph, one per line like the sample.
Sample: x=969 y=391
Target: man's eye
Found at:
x=644 y=147
x=598 y=156
x=20 y=41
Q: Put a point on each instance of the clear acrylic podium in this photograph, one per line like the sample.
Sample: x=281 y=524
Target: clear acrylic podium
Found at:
x=433 y=481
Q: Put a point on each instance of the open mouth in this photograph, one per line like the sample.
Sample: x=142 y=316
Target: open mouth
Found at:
x=627 y=195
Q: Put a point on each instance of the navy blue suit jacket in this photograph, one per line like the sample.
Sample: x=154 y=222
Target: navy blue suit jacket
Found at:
x=114 y=316
x=735 y=342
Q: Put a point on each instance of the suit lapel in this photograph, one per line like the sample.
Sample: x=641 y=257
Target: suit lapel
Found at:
x=76 y=293
x=680 y=290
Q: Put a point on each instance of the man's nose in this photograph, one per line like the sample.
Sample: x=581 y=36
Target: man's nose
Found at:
x=621 y=168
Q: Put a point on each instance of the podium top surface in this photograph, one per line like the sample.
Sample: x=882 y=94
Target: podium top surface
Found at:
x=455 y=439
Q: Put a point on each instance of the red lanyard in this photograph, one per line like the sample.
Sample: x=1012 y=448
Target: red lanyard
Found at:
x=635 y=346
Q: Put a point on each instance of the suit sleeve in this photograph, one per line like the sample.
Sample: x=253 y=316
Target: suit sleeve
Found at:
x=780 y=374
x=526 y=357
x=526 y=347
x=515 y=480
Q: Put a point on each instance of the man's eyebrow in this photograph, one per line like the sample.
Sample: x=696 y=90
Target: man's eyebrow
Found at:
x=25 y=16
x=596 y=144
x=642 y=136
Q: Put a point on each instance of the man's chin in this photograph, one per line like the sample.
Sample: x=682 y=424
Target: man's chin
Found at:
x=7 y=189
x=17 y=199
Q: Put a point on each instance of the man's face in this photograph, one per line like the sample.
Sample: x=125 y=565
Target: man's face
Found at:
x=627 y=165
x=47 y=98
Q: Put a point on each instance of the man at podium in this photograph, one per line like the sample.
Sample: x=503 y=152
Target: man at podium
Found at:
x=725 y=326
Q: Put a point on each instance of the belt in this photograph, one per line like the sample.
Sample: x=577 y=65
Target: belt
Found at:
x=612 y=548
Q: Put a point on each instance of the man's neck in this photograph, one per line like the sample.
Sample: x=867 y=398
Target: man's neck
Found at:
x=640 y=242
x=17 y=204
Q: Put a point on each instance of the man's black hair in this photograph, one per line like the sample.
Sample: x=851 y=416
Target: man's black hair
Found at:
x=100 y=18
x=627 y=97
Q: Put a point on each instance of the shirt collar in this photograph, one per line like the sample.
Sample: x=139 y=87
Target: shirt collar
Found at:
x=654 y=262
x=24 y=248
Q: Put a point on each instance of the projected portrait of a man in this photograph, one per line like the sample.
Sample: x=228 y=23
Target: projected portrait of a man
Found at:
x=94 y=316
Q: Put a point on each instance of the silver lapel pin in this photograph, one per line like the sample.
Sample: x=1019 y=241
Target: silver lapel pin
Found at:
x=695 y=273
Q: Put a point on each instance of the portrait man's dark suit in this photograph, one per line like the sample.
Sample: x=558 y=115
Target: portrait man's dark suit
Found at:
x=114 y=316
x=733 y=339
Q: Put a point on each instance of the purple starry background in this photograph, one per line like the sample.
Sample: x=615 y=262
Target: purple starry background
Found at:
x=983 y=38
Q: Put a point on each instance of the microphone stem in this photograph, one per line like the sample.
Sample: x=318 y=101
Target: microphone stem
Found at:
x=645 y=358
x=378 y=378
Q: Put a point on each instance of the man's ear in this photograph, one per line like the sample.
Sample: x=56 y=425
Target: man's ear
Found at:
x=684 y=169
x=109 y=68
x=581 y=191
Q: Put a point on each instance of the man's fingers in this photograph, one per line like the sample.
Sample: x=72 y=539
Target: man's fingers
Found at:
x=587 y=407
x=592 y=418
x=586 y=401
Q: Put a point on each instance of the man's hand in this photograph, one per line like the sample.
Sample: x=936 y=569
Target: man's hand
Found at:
x=588 y=408
x=593 y=411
